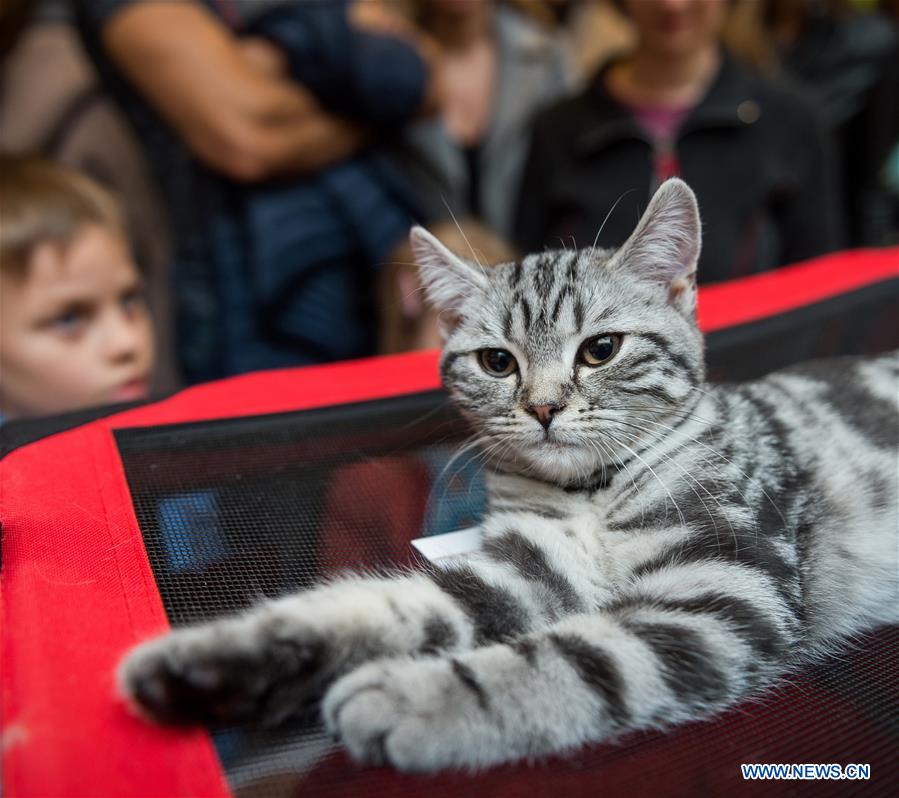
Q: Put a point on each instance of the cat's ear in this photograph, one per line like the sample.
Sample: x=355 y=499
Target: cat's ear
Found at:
x=664 y=248
x=447 y=279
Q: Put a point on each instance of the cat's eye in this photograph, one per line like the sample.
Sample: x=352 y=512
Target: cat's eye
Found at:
x=497 y=362
x=599 y=350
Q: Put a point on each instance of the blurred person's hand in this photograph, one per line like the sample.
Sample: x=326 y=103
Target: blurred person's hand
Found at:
x=231 y=103
x=380 y=17
x=261 y=54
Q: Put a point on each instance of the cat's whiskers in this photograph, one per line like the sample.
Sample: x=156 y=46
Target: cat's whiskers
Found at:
x=451 y=424
x=746 y=500
x=484 y=455
x=611 y=210
x=727 y=460
x=633 y=479
x=632 y=492
x=464 y=237
x=643 y=445
x=680 y=514
x=488 y=456
x=664 y=410
x=485 y=458
x=494 y=447
x=467 y=447
x=604 y=452
x=668 y=458
x=583 y=474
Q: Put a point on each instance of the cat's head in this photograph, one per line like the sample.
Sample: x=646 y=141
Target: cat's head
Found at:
x=566 y=360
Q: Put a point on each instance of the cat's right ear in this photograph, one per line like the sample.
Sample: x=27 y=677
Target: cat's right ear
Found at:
x=664 y=249
x=447 y=279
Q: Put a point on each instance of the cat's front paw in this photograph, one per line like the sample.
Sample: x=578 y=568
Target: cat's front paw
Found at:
x=226 y=672
x=415 y=715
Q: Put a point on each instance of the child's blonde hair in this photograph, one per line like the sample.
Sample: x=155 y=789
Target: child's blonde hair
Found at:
x=41 y=201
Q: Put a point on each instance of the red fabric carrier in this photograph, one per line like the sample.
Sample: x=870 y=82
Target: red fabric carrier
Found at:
x=78 y=591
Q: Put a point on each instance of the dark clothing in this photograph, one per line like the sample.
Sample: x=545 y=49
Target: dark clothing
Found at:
x=361 y=75
x=279 y=273
x=753 y=152
x=530 y=73
x=314 y=242
x=850 y=66
x=472 y=164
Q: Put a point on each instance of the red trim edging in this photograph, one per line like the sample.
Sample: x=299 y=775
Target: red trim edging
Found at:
x=752 y=298
x=77 y=592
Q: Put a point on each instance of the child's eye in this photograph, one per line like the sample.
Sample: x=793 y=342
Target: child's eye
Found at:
x=69 y=323
x=134 y=301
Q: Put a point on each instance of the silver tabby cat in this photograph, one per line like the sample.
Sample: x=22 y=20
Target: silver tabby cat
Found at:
x=656 y=547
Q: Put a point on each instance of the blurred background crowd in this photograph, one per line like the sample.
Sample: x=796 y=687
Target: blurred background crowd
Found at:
x=241 y=175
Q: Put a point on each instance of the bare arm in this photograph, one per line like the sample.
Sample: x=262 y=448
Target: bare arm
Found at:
x=242 y=120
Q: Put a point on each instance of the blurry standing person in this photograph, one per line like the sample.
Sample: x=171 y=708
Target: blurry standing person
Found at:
x=258 y=119
x=497 y=68
x=592 y=31
x=849 y=62
x=754 y=152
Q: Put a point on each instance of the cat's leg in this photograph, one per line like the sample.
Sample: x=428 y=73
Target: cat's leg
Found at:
x=273 y=661
x=653 y=658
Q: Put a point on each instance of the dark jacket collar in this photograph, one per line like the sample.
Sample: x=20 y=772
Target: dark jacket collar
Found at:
x=729 y=102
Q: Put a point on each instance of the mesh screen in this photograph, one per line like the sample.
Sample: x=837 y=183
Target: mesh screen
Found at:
x=859 y=322
x=238 y=510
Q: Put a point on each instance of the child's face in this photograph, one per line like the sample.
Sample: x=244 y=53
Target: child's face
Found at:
x=74 y=330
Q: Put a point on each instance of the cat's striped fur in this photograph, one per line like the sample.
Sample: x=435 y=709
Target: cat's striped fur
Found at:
x=658 y=550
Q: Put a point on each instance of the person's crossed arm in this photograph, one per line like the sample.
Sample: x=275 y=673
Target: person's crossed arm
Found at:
x=230 y=100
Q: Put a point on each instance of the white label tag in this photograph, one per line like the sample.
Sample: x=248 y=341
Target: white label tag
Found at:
x=448 y=547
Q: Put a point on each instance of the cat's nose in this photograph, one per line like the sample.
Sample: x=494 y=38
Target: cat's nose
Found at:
x=544 y=413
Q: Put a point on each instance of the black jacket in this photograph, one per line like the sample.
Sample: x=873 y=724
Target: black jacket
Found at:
x=754 y=153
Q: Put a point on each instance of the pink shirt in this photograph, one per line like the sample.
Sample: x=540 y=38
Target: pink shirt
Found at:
x=661 y=124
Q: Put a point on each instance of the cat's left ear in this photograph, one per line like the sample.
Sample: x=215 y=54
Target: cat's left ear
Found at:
x=448 y=279
x=664 y=249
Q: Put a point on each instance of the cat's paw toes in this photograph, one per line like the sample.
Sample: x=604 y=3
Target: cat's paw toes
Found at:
x=208 y=675
x=409 y=715
x=171 y=681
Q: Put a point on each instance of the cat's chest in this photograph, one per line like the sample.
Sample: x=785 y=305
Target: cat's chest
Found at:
x=615 y=552
x=646 y=532
x=578 y=529
x=589 y=519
